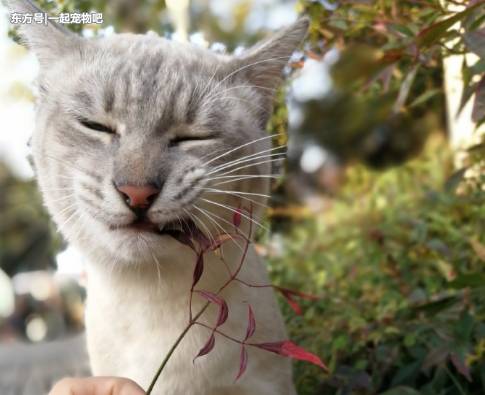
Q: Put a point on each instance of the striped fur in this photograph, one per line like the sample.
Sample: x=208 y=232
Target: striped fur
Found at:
x=151 y=91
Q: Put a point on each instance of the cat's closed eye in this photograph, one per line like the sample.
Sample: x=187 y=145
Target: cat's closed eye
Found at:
x=176 y=141
x=98 y=127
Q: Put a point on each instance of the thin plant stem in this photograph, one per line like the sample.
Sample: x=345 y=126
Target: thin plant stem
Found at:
x=193 y=320
x=174 y=347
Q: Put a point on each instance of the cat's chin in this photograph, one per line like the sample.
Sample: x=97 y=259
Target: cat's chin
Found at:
x=131 y=245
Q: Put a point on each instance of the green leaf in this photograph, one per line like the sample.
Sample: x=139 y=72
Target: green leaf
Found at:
x=455 y=180
x=434 y=33
x=436 y=357
x=477 y=149
x=472 y=280
x=438 y=306
x=407 y=373
x=475 y=42
x=467 y=95
x=403 y=29
x=425 y=97
x=477 y=68
x=401 y=391
x=478 y=113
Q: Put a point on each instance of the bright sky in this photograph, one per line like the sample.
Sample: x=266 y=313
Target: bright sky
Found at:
x=18 y=69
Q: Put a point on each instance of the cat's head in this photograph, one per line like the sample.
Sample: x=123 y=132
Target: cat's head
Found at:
x=136 y=134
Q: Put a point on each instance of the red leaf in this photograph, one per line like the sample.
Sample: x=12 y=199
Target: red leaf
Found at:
x=290 y=295
x=301 y=294
x=236 y=219
x=208 y=347
x=191 y=231
x=198 y=270
x=243 y=363
x=220 y=240
x=293 y=303
x=290 y=349
x=223 y=309
x=183 y=238
x=251 y=323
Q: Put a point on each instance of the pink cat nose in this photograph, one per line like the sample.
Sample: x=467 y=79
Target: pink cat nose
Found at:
x=139 y=196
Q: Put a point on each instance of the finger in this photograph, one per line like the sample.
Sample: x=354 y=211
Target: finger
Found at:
x=97 y=386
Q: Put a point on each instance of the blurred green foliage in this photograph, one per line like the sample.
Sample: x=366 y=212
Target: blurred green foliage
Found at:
x=388 y=78
x=26 y=241
x=398 y=254
x=398 y=259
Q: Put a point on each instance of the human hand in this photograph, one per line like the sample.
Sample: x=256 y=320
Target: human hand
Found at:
x=97 y=386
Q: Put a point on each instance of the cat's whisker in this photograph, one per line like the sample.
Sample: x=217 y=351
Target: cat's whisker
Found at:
x=62 y=227
x=240 y=147
x=252 y=165
x=239 y=162
x=211 y=219
x=63 y=195
x=239 y=196
x=70 y=165
x=63 y=198
x=224 y=232
x=155 y=260
x=232 y=209
x=65 y=209
x=57 y=189
x=196 y=218
x=287 y=58
x=237 y=193
x=211 y=154
x=211 y=79
x=241 y=176
x=244 y=179
x=246 y=199
x=216 y=216
x=260 y=107
x=140 y=252
x=79 y=224
x=243 y=87
x=260 y=153
x=67 y=178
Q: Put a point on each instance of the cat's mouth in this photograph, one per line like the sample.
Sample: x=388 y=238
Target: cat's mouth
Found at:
x=166 y=229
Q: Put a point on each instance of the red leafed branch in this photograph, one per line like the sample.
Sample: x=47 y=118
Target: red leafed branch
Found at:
x=193 y=238
x=215 y=299
x=289 y=349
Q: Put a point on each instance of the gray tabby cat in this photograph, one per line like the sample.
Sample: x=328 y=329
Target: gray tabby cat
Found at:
x=135 y=135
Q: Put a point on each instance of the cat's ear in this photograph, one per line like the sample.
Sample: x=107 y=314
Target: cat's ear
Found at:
x=263 y=64
x=49 y=41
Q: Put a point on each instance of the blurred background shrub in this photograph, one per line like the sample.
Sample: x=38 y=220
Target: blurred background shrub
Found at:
x=380 y=210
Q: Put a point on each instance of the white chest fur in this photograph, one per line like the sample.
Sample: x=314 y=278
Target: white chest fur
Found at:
x=135 y=316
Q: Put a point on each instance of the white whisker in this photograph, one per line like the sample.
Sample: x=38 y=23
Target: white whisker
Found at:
x=196 y=218
x=240 y=147
x=237 y=193
x=216 y=170
x=243 y=179
x=224 y=232
x=257 y=154
x=252 y=165
x=236 y=211
x=248 y=66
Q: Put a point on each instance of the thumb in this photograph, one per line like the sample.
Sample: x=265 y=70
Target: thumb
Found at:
x=97 y=386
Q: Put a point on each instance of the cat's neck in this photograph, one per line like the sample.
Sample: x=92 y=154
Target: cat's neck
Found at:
x=168 y=277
